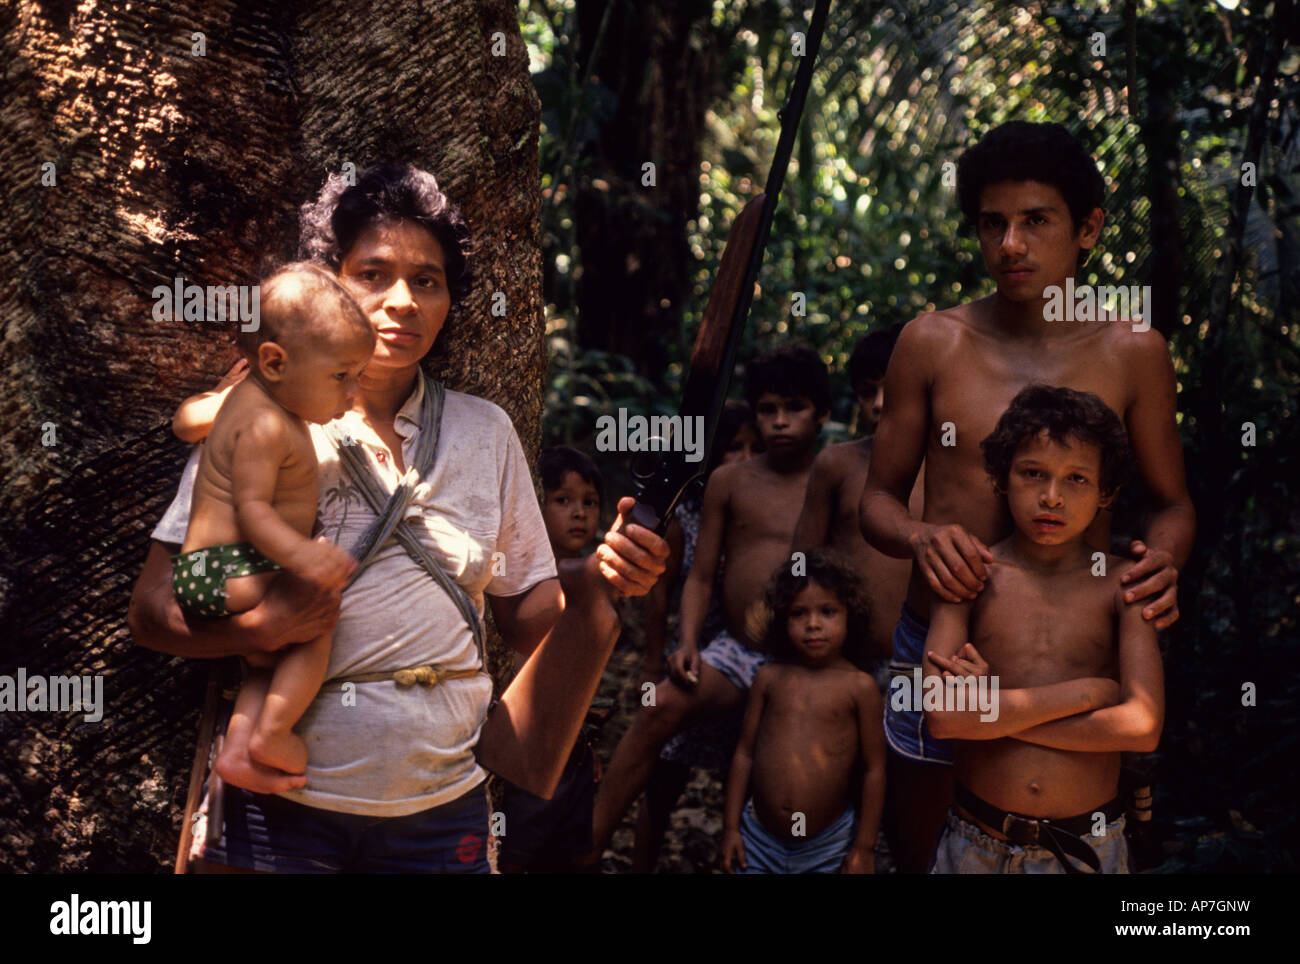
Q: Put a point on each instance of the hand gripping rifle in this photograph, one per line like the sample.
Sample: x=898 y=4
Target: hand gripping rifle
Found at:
x=662 y=482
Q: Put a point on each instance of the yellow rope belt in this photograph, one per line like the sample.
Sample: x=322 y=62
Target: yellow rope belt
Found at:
x=424 y=675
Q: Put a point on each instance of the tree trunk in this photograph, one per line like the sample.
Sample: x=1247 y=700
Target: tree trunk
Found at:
x=167 y=164
x=661 y=61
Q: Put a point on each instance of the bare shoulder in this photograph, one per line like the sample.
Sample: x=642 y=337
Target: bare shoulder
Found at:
x=1140 y=351
x=836 y=461
x=1003 y=566
x=933 y=329
x=722 y=481
x=866 y=692
x=933 y=337
x=1116 y=566
x=254 y=417
x=767 y=675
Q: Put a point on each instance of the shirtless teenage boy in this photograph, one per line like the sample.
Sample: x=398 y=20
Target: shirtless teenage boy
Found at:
x=1037 y=786
x=1034 y=196
x=830 y=508
x=812 y=721
x=750 y=510
x=255 y=496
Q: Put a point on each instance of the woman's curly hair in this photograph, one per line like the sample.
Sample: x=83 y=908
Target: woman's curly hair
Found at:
x=330 y=225
x=832 y=571
x=1063 y=414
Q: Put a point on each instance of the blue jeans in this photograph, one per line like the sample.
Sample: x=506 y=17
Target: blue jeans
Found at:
x=966 y=849
x=766 y=853
x=269 y=833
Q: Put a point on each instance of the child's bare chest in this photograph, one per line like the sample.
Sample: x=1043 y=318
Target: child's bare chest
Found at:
x=819 y=703
x=766 y=506
x=1034 y=630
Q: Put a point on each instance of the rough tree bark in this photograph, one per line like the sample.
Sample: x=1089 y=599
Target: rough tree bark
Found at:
x=167 y=164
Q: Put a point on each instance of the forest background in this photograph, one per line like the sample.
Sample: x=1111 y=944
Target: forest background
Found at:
x=1190 y=107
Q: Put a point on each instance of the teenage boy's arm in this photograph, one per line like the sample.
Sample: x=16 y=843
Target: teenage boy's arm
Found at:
x=813 y=527
x=260 y=449
x=1153 y=433
x=951 y=559
x=742 y=765
x=1013 y=710
x=861 y=857
x=1134 y=723
x=684 y=664
x=531 y=732
x=656 y=608
x=292 y=611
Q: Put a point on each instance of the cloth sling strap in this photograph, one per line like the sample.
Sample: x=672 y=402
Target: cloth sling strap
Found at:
x=391 y=512
x=1060 y=836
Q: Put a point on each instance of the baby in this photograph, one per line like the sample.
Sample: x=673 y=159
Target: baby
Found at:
x=812 y=740
x=255 y=495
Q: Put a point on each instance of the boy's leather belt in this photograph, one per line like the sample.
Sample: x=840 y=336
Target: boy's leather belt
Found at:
x=1059 y=835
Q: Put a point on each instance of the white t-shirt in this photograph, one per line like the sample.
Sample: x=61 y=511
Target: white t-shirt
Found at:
x=398 y=751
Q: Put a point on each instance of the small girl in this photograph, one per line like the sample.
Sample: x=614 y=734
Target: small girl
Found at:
x=812 y=717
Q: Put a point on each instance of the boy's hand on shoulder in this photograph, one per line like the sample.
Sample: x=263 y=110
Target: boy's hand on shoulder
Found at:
x=733 y=852
x=1153 y=578
x=323 y=564
x=952 y=560
x=859 y=860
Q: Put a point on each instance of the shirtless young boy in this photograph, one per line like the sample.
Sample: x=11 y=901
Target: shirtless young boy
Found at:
x=1034 y=196
x=255 y=496
x=544 y=835
x=750 y=510
x=1037 y=786
x=830 y=509
x=811 y=720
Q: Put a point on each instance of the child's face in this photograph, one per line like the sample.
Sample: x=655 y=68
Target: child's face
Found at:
x=1028 y=237
x=316 y=383
x=871 y=399
x=787 y=425
x=744 y=446
x=817 y=624
x=571 y=514
x=1053 y=489
x=397 y=273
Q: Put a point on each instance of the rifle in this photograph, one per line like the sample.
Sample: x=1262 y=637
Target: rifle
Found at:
x=713 y=357
x=541 y=712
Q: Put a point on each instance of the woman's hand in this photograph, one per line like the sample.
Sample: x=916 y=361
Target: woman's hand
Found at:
x=295 y=611
x=631 y=558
